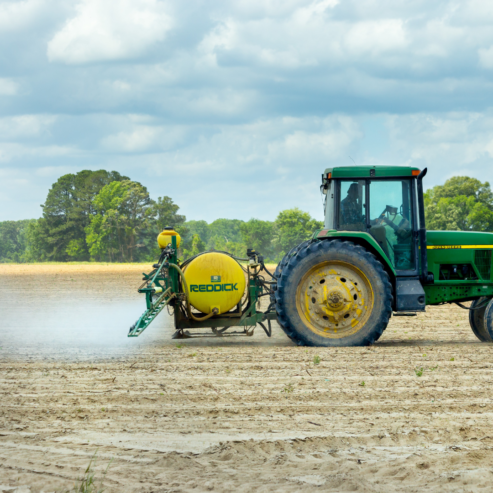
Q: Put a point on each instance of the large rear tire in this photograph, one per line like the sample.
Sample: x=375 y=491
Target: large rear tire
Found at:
x=477 y=320
x=488 y=320
x=286 y=258
x=333 y=293
x=283 y=263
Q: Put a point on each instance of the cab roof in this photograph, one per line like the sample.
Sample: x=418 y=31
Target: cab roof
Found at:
x=370 y=171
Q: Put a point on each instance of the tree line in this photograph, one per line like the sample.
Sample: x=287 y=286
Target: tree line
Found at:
x=104 y=216
x=461 y=204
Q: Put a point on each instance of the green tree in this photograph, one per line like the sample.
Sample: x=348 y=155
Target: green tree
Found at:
x=461 y=203
x=196 y=246
x=258 y=235
x=124 y=216
x=165 y=213
x=225 y=235
x=67 y=212
x=236 y=248
x=14 y=240
x=189 y=230
x=200 y=228
x=226 y=230
x=35 y=243
x=292 y=227
x=465 y=186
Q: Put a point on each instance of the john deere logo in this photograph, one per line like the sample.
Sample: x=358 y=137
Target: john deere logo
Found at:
x=210 y=288
x=215 y=278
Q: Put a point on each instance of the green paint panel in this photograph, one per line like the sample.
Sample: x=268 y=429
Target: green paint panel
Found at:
x=364 y=171
x=455 y=291
x=458 y=238
x=363 y=238
x=460 y=247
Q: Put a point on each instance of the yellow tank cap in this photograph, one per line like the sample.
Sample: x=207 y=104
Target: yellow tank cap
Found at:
x=164 y=238
x=215 y=280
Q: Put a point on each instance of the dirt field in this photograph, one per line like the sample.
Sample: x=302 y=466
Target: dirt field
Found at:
x=230 y=414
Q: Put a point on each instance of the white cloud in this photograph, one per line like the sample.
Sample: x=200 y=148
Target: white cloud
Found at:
x=110 y=30
x=376 y=37
x=140 y=139
x=144 y=138
x=24 y=126
x=8 y=87
x=248 y=9
x=245 y=95
x=455 y=143
x=314 y=140
x=16 y=15
x=54 y=172
x=310 y=36
x=489 y=148
x=314 y=9
x=475 y=12
x=10 y=152
x=223 y=36
x=486 y=57
x=235 y=151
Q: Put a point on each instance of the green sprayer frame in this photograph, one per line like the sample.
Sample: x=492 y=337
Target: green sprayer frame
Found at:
x=166 y=285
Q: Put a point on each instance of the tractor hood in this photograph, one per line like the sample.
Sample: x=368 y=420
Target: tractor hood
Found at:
x=458 y=239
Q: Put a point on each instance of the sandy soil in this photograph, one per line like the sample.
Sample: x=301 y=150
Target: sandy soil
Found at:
x=231 y=414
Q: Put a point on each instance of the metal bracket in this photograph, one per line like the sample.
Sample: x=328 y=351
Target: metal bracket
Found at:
x=150 y=314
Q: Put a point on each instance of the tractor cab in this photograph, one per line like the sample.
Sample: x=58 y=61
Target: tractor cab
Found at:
x=380 y=201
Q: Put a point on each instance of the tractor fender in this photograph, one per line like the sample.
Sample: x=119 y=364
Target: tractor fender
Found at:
x=366 y=241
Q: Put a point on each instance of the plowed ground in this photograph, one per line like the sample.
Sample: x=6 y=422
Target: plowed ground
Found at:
x=411 y=413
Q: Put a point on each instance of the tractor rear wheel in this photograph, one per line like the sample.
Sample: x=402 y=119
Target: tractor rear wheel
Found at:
x=477 y=320
x=285 y=259
x=283 y=263
x=333 y=293
x=488 y=320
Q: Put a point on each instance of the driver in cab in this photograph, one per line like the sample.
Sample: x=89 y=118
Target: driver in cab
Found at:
x=351 y=210
x=353 y=219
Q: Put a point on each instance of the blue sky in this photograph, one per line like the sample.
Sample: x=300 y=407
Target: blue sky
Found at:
x=234 y=108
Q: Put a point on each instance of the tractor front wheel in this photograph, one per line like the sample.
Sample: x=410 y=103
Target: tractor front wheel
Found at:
x=477 y=320
x=333 y=293
x=488 y=320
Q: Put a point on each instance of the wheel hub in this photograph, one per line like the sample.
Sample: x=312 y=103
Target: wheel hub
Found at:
x=335 y=298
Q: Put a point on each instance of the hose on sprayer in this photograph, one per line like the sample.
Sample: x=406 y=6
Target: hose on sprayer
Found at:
x=189 y=307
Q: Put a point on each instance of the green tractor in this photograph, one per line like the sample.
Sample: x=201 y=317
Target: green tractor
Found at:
x=373 y=258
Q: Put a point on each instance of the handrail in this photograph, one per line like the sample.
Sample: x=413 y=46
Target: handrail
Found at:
x=422 y=227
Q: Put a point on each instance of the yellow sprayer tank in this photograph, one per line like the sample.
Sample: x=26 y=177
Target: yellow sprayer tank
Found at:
x=164 y=238
x=215 y=280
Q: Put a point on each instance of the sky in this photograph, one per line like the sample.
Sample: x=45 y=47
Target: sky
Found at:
x=235 y=108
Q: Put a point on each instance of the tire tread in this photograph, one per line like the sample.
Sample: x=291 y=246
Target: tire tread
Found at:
x=290 y=261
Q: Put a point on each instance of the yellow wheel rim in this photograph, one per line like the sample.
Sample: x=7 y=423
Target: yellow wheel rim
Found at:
x=334 y=299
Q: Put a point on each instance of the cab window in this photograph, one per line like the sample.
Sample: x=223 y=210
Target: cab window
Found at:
x=352 y=205
x=391 y=220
